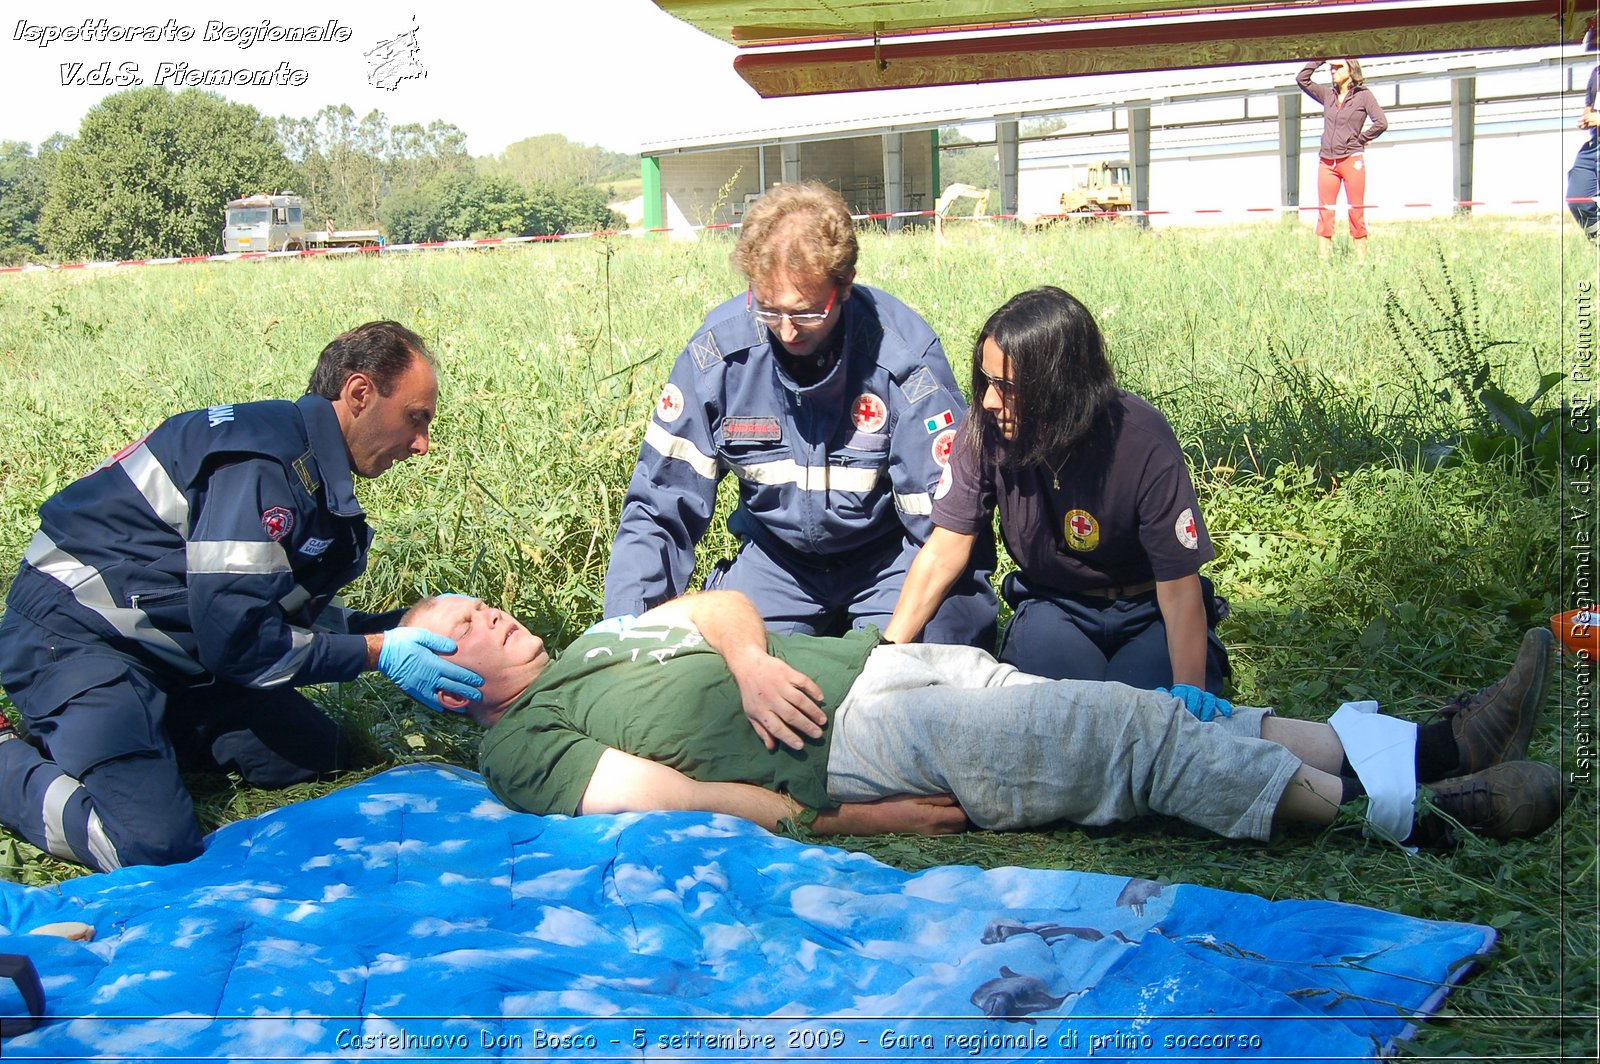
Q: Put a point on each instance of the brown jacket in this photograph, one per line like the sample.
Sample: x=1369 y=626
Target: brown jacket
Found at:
x=1345 y=130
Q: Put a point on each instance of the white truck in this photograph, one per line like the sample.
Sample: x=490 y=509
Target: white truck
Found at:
x=275 y=223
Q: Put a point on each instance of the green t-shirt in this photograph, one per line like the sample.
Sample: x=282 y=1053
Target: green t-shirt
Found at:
x=665 y=695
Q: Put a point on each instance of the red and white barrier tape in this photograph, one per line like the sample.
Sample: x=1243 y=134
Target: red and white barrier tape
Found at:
x=457 y=245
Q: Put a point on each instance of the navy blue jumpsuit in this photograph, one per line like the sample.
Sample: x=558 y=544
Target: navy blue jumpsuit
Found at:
x=834 y=476
x=165 y=611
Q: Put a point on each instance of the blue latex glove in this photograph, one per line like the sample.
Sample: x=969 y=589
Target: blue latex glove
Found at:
x=410 y=657
x=1203 y=704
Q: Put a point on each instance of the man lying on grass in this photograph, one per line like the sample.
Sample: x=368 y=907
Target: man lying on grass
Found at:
x=679 y=709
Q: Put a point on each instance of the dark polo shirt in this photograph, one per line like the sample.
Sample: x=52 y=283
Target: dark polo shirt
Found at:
x=1125 y=512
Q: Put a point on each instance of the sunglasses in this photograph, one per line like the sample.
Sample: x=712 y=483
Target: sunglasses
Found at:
x=774 y=318
x=1338 y=66
x=1005 y=389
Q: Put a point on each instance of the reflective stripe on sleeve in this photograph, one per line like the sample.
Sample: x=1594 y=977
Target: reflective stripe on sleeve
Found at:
x=89 y=588
x=258 y=558
x=670 y=446
x=152 y=481
x=919 y=503
x=280 y=671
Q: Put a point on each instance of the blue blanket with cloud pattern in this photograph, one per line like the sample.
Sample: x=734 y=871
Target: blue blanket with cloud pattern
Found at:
x=411 y=916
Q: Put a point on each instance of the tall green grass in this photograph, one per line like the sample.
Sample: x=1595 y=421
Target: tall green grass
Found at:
x=1357 y=566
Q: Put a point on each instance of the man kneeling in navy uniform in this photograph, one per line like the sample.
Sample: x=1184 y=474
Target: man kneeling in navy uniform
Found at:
x=173 y=599
x=833 y=405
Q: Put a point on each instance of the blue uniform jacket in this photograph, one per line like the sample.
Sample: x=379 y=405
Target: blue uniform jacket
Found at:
x=823 y=470
x=211 y=546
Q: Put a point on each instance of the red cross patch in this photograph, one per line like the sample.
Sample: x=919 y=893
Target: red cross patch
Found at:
x=1081 y=530
x=670 y=406
x=1187 y=530
x=942 y=444
x=277 y=522
x=869 y=413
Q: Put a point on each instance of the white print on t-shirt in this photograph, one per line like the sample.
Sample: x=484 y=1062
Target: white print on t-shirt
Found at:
x=689 y=637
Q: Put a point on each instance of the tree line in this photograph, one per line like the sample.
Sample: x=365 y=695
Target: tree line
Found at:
x=149 y=171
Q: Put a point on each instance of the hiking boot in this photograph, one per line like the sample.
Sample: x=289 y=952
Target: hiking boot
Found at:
x=1512 y=800
x=1495 y=724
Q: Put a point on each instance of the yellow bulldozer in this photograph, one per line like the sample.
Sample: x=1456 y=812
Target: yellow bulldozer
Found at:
x=1101 y=188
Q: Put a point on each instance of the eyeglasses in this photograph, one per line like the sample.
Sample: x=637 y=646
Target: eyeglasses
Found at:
x=1337 y=66
x=1005 y=389
x=774 y=318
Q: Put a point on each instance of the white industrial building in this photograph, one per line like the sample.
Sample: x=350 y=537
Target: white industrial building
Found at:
x=1493 y=129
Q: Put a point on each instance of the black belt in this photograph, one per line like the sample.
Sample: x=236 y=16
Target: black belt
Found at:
x=1125 y=591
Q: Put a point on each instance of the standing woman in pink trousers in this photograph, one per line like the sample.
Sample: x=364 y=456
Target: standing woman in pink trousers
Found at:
x=1351 y=119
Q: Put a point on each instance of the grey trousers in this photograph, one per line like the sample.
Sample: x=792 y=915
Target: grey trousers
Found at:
x=1018 y=751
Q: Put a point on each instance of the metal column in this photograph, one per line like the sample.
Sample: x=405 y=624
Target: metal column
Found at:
x=1463 y=108
x=1289 y=148
x=893 y=181
x=1005 y=141
x=1139 y=160
x=791 y=163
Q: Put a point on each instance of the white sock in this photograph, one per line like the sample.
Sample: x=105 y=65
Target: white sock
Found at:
x=1383 y=751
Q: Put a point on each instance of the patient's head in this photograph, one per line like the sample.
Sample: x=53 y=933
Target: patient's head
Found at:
x=491 y=643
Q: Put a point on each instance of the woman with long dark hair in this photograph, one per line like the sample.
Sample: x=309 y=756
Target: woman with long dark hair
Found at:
x=1096 y=508
x=1351 y=119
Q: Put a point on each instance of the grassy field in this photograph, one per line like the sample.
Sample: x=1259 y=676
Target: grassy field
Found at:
x=1363 y=557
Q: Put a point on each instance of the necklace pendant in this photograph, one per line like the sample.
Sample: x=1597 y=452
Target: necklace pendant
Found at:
x=1055 y=481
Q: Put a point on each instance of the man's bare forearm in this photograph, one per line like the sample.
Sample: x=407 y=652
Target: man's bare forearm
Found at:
x=933 y=815
x=623 y=783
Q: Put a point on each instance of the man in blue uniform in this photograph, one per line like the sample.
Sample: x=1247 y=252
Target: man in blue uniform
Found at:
x=173 y=599
x=834 y=406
